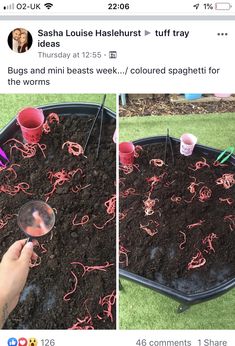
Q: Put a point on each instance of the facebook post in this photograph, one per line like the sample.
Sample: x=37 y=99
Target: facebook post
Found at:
x=120 y=55
x=117 y=174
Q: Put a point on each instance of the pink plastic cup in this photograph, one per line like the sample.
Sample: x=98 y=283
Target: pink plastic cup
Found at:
x=187 y=144
x=126 y=153
x=31 y=124
x=223 y=95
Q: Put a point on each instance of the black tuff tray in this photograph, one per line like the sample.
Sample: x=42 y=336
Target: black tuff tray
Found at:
x=182 y=297
x=63 y=109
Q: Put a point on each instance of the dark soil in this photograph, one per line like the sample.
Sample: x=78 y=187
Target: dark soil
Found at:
x=159 y=257
x=161 y=104
x=41 y=304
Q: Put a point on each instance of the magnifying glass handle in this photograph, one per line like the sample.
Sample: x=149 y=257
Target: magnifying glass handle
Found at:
x=29 y=239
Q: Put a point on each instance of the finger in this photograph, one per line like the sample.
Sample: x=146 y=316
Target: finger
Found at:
x=35 y=242
x=15 y=249
x=34 y=256
x=27 y=252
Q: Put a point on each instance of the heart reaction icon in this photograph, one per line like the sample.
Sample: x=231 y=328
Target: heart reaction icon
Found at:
x=22 y=342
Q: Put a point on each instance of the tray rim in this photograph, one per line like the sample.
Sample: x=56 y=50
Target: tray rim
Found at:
x=192 y=298
x=197 y=146
x=51 y=106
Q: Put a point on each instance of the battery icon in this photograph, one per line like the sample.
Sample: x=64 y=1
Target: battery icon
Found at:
x=223 y=6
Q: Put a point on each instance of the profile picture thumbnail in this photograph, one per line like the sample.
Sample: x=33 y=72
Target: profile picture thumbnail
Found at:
x=20 y=40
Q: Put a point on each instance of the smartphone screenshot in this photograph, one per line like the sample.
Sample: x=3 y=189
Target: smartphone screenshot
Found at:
x=117 y=173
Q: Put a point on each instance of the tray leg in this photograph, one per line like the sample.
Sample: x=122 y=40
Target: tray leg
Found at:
x=182 y=308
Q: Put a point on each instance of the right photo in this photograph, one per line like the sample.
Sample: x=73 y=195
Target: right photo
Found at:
x=176 y=211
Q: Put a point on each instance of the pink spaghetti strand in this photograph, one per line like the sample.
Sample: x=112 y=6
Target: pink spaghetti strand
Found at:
x=128 y=192
x=196 y=224
x=182 y=244
x=138 y=149
x=5 y=219
x=197 y=261
x=83 y=221
x=229 y=200
x=43 y=249
x=176 y=199
x=121 y=181
x=227 y=180
x=42 y=147
x=59 y=178
x=67 y=295
x=154 y=180
x=13 y=190
x=41 y=246
x=218 y=164
x=192 y=185
x=231 y=220
x=76 y=189
x=74 y=148
x=190 y=201
x=2 y=168
x=35 y=263
x=108 y=302
x=11 y=170
x=122 y=215
x=192 y=189
x=53 y=117
x=148 y=230
x=169 y=183
x=148 y=206
x=111 y=205
x=85 y=324
x=3 y=223
x=27 y=150
x=204 y=194
x=72 y=173
x=209 y=239
x=199 y=165
x=87 y=269
x=157 y=162
x=128 y=169
x=103 y=226
x=46 y=128
x=110 y=209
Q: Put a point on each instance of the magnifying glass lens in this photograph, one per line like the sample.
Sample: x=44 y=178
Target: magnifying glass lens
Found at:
x=36 y=218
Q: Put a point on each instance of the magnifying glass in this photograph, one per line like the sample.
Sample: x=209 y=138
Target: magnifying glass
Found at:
x=36 y=219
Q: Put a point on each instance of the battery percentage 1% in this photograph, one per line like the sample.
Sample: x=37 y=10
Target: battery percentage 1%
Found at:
x=208 y=6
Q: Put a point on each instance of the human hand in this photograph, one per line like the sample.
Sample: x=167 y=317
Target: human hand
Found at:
x=14 y=269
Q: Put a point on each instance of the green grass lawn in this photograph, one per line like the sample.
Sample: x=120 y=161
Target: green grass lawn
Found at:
x=12 y=103
x=215 y=130
x=141 y=308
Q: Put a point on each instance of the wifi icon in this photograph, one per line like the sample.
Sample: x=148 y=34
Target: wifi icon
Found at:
x=48 y=5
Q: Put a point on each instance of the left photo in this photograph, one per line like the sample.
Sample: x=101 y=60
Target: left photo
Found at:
x=58 y=211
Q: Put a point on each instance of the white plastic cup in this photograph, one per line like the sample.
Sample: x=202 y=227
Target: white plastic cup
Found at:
x=187 y=144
